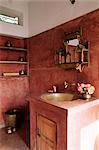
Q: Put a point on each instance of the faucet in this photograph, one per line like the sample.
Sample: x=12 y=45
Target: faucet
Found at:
x=66 y=84
x=53 y=90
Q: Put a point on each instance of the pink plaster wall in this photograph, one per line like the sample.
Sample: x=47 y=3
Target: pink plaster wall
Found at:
x=43 y=71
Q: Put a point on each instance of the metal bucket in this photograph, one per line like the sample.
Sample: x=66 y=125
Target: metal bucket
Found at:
x=11 y=120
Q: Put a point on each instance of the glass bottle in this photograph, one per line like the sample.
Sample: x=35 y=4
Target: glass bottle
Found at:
x=63 y=56
x=60 y=57
x=68 y=57
x=77 y=54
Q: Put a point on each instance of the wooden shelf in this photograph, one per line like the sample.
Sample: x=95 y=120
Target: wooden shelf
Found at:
x=12 y=48
x=71 y=65
x=21 y=76
x=12 y=62
x=68 y=65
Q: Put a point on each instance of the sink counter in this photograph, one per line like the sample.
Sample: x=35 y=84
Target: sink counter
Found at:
x=74 y=119
x=74 y=105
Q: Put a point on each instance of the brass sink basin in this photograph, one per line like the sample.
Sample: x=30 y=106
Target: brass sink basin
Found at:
x=58 y=96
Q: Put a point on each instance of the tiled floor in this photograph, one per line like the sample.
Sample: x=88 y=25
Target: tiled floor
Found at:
x=11 y=141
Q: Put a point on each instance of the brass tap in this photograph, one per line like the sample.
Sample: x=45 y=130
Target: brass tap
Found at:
x=66 y=84
x=53 y=90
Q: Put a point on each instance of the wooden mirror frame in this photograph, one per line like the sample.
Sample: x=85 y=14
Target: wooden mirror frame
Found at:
x=76 y=34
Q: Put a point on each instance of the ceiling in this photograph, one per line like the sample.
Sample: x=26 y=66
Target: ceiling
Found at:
x=46 y=14
x=42 y=15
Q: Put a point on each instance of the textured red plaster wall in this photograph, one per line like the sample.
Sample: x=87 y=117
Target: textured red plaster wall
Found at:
x=13 y=90
x=43 y=71
x=90 y=25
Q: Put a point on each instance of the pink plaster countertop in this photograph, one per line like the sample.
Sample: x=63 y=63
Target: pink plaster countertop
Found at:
x=73 y=105
x=81 y=114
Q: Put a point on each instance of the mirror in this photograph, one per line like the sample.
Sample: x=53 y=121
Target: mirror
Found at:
x=73 y=42
x=75 y=34
x=73 y=38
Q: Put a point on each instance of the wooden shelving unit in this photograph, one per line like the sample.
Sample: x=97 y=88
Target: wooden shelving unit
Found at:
x=81 y=58
x=74 y=53
x=10 y=58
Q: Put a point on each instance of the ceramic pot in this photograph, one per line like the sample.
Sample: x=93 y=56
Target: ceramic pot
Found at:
x=86 y=96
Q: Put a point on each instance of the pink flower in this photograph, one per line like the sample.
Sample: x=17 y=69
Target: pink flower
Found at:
x=86 y=88
x=87 y=85
x=82 y=85
x=80 y=89
x=91 y=90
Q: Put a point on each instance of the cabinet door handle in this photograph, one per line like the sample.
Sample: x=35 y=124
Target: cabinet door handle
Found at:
x=38 y=132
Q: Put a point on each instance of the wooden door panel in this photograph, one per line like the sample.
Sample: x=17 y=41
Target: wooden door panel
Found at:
x=43 y=144
x=46 y=138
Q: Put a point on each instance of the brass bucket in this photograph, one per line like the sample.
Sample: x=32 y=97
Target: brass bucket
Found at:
x=11 y=120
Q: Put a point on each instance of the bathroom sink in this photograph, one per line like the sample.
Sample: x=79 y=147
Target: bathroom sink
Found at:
x=59 y=96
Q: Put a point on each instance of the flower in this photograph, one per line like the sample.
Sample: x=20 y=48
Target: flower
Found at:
x=85 y=88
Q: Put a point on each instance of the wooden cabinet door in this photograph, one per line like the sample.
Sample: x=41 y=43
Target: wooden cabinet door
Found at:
x=46 y=134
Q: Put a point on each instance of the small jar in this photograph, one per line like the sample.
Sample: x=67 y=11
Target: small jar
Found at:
x=22 y=72
x=8 y=44
x=21 y=59
x=86 y=96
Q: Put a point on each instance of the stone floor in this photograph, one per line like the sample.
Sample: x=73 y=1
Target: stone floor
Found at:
x=11 y=141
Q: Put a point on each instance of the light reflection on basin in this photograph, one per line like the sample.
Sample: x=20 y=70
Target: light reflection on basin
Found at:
x=59 y=97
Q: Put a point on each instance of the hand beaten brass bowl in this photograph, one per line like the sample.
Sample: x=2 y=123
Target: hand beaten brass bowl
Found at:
x=59 y=96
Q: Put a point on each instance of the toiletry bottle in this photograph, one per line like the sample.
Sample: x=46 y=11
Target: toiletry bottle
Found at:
x=77 y=55
x=60 y=57
x=68 y=57
x=63 y=57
